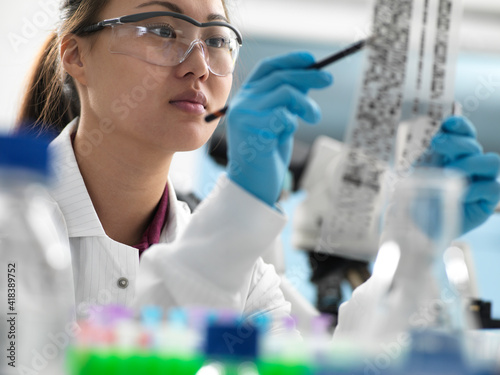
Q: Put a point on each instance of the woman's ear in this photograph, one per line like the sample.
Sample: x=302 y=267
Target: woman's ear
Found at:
x=72 y=58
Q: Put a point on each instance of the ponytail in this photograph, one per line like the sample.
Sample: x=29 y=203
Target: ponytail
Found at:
x=51 y=100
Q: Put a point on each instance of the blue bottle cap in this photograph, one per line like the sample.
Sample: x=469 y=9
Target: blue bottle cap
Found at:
x=177 y=316
x=24 y=152
x=262 y=322
x=151 y=316
x=236 y=340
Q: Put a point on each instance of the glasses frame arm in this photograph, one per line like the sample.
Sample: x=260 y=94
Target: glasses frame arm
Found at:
x=143 y=16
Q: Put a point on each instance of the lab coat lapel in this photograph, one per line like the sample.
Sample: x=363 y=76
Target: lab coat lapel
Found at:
x=70 y=191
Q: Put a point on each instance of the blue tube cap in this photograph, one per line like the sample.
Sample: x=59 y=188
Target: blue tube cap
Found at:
x=237 y=341
x=24 y=152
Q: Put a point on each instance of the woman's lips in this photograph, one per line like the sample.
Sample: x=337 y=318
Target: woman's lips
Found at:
x=190 y=101
x=188 y=106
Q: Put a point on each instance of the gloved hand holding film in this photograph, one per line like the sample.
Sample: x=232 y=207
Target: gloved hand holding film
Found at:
x=263 y=118
x=456 y=147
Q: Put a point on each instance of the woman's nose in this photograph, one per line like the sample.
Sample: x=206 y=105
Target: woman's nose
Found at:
x=195 y=60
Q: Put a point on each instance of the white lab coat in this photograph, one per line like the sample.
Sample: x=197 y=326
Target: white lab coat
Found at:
x=210 y=258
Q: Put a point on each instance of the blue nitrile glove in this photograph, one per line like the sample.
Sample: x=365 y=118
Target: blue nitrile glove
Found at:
x=457 y=148
x=263 y=118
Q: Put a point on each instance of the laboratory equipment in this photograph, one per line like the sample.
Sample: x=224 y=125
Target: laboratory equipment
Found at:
x=125 y=345
x=415 y=287
x=37 y=290
x=230 y=347
x=284 y=353
x=199 y=341
x=482 y=310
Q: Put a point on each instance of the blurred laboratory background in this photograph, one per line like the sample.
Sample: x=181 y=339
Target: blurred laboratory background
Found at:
x=272 y=27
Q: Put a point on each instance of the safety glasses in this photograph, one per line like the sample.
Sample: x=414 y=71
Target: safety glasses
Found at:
x=167 y=39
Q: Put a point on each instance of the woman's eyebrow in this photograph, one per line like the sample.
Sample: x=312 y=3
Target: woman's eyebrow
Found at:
x=175 y=8
x=217 y=17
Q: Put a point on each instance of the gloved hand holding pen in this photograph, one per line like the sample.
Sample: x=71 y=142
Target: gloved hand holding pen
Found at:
x=263 y=118
x=457 y=148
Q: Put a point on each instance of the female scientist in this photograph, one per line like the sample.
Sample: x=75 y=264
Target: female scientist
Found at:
x=135 y=90
x=126 y=84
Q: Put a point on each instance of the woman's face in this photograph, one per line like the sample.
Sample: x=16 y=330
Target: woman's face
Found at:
x=154 y=106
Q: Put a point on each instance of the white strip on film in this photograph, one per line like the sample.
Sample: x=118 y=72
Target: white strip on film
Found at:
x=409 y=75
x=431 y=94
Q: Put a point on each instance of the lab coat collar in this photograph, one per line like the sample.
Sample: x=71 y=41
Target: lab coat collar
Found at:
x=70 y=191
x=74 y=201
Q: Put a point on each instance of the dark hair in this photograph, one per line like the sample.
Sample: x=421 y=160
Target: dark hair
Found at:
x=51 y=100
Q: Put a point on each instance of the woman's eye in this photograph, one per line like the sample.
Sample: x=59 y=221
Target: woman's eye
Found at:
x=217 y=42
x=162 y=31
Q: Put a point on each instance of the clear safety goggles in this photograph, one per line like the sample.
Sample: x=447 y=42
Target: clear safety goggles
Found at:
x=167 y=39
